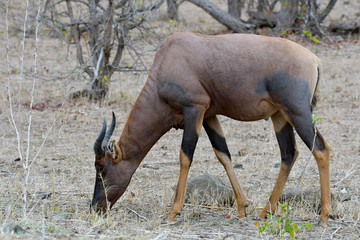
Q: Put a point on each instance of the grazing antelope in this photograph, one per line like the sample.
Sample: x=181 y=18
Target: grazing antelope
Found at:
x=193 y=79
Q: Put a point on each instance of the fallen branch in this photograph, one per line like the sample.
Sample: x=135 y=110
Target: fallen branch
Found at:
x=237 y=25
x=208 y=207
x=137 y=214
x=343 y=28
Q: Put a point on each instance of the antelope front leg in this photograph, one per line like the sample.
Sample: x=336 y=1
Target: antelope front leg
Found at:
x=181 y=188
x=192 y=125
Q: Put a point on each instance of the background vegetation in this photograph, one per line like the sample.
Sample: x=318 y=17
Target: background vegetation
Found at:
x=67 y=64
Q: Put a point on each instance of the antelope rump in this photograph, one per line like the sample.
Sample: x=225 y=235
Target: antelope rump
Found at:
x=193 y=79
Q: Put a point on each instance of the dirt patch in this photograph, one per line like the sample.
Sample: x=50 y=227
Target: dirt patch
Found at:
x=64 y=168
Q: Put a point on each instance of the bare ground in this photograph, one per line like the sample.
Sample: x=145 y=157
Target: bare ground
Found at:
x=64 y=167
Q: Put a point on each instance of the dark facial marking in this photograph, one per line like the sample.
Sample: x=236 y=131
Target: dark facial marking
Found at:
x=96 y=190
x=286 y=142
x=218 y=142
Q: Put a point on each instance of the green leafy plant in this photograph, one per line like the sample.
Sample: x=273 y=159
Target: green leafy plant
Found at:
x=104 y=79
x=281 y=224
x=316 y=118
x=51 y=229
x=309 y=35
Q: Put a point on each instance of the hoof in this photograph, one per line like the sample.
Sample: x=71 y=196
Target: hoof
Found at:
x=241 y=213
x=241 y=216
x=168 y=220
x=262 y=215
x=322 y=222
x=165 y=222
x=321 y=225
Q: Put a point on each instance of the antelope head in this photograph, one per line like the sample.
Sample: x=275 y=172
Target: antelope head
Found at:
x=112 y=177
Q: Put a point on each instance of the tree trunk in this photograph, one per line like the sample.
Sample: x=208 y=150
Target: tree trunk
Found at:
x=221 y=16
x=234 y=7
x=172 y=9
x=288 y=14
x=260 y=6
x=327 y=10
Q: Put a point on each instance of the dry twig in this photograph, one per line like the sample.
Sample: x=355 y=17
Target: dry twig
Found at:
x=137 y=214
x=208 y=207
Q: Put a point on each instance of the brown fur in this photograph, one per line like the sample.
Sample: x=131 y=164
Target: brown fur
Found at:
x=196 y=77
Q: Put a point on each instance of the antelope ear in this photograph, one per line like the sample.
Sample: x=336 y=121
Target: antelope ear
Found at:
x=114 y=151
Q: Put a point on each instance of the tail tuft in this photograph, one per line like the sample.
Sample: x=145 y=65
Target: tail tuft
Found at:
x=315 y=98
x=313 y=102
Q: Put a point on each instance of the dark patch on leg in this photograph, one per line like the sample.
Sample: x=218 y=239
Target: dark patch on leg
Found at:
x=218 y=142
x=190 y=136
x=286 y=140
x=319 y=142
x=173 y=93
x=305 y=128
x=294 y=97
x=293 y=94
x=177 y=97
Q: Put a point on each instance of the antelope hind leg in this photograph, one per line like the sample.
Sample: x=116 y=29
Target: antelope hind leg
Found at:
x=218 y=142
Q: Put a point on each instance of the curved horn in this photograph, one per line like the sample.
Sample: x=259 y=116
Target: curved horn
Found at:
x=99 y=151
x=110 y=131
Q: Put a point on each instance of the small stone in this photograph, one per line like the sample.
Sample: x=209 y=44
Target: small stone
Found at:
x=207 y=189
x=43 y=195
x=12 y=229
x=239 y=166
x=277 y=165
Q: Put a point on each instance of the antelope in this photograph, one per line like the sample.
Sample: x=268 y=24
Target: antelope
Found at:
x=193 y=79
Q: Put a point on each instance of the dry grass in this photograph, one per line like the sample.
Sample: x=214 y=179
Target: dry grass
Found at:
x=65 y=166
